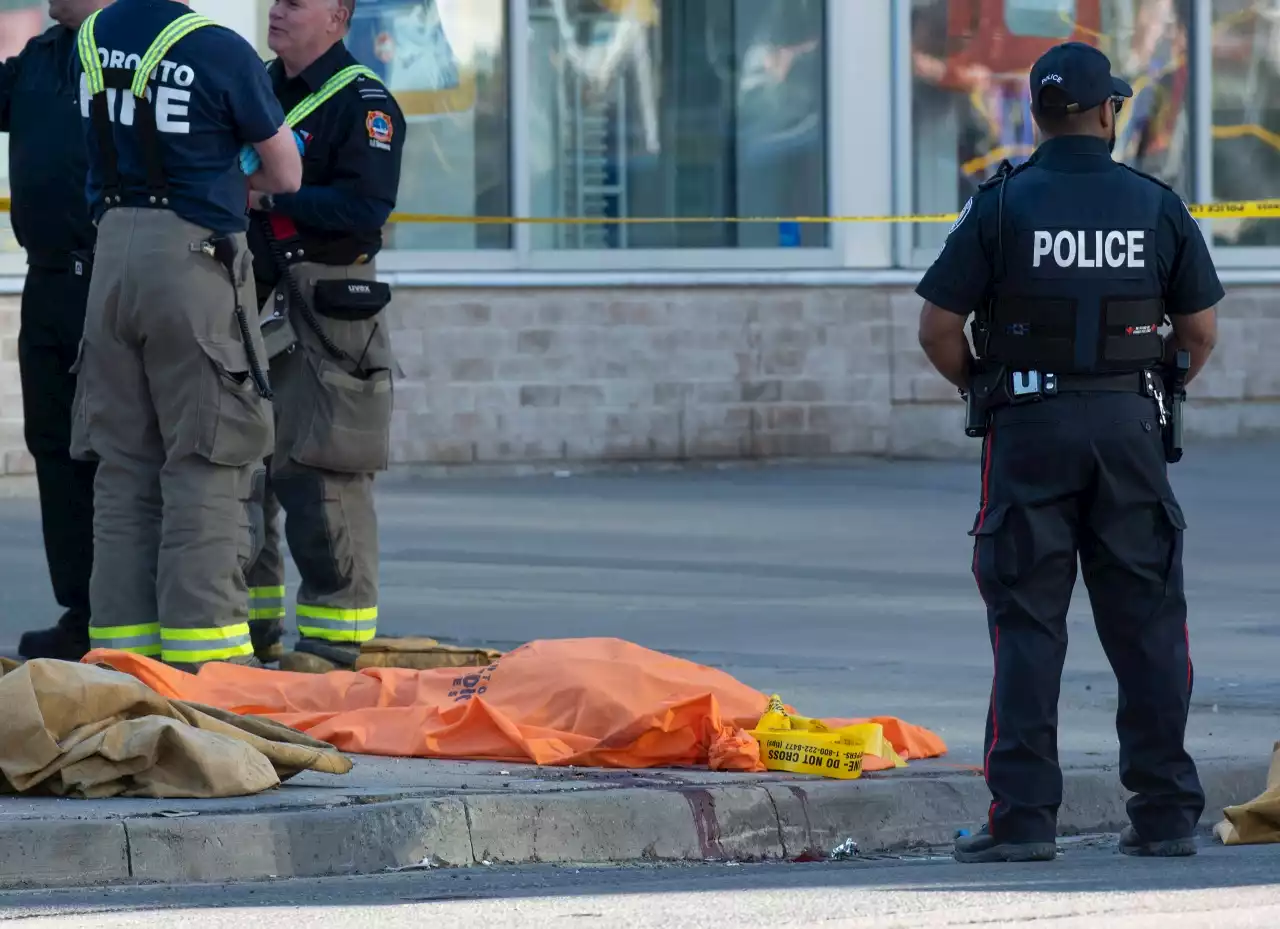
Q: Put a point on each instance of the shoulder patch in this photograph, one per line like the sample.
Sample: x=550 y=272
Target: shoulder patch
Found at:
x=964 y=213
x=1150 y=177
x=380 y=128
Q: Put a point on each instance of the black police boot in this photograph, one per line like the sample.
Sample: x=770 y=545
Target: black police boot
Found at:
x=67 y=641
x=1133 y=844
x=266 y=635
x=984 y=848
x=316 y=656
x=248 y=661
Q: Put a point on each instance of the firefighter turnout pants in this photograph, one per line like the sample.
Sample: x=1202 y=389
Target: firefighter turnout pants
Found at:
x=53 y=307
x=333 y=430
x=1083 y=476
x=165 y=403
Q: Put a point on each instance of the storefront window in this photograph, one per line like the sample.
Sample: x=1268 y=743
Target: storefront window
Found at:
x=19 y=21
x=970 y=104
x=446 y=63
x=672 y=108
x=1246 y=114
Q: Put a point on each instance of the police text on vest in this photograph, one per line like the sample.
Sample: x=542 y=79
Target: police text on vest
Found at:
x=1091 y=249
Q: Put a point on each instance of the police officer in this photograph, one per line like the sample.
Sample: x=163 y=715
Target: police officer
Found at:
x=47 y=167
x=330 y=352
x=1071 y=263
x=171 y=398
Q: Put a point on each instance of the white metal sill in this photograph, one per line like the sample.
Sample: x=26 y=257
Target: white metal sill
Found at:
x=495 y=280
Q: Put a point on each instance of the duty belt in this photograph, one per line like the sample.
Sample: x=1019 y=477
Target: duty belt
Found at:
x=1130 y=383
x=1029 y=386
x=78 y=262
x=1032 y=386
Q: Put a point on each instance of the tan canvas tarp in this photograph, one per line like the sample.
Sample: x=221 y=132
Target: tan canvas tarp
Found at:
x=1258 y=821
x=79 y=730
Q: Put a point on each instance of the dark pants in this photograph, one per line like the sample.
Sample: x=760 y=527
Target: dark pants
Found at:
x=1083 y=475
x=53 y=305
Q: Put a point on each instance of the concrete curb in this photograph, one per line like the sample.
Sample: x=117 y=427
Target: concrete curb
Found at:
x=771 y=821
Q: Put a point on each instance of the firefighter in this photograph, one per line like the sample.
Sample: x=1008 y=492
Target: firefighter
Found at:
x=331 y=361
x=51 y=222
x=171 y=399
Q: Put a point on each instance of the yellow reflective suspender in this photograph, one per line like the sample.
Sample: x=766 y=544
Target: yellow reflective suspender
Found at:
x=99 y=79
x=331 y=88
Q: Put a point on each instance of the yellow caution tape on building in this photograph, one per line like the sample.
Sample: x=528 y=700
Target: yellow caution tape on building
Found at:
x=1227 y=209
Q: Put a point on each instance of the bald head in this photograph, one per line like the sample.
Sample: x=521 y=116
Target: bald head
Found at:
x=71 y=13
x=301 y=31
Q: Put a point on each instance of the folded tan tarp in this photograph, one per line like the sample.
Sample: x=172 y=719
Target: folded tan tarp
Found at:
x=78 y=730
x=418 y=653
x=1258 y=821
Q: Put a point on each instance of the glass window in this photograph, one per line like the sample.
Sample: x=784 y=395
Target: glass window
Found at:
x=970 y=104
x=673 y=108
x=1246 y=114
x=446 y=63
x=19 y=21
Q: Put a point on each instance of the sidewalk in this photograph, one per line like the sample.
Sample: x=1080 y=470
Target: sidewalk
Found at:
x=845 y=591
x=403 y=813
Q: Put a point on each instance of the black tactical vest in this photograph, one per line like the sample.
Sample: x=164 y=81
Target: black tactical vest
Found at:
x=1079 y=288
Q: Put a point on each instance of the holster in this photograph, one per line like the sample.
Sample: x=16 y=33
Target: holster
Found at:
x=987 y=390
x=278 y=334
x=1175 y=390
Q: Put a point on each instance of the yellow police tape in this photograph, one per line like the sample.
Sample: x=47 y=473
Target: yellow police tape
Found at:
x=1227 y=209
x=800 y=745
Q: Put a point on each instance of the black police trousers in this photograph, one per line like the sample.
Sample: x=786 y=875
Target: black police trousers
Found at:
x=53 y=308
x=1084 y=476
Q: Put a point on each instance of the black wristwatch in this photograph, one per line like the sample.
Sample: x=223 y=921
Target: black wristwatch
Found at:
x=268 y=203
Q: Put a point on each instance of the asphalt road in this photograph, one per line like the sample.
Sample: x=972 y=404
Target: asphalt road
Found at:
x=1090 y=885
x=846 y=590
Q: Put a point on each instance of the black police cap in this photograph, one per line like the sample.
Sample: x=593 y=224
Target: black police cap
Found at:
x=1081 y=74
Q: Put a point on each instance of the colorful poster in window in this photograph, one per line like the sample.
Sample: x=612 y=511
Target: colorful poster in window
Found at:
x=18 y=23
x=410 y=45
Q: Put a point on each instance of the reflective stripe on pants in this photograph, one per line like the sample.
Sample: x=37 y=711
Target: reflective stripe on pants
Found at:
x=140 y=639
x=266 y=603
x=341 y=626
x=194 y=646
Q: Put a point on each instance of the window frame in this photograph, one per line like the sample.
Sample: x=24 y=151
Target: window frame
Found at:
x=522 y=257
x=1259 y=259
x=849 y=245
x=1237 y=258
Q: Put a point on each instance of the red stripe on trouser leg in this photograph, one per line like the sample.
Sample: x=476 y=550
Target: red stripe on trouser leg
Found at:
x=995 y=645
x=982 y=509
x=995 y=726
x=1186 y=634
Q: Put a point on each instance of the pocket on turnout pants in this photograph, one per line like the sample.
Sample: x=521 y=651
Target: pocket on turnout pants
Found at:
x=81 y=447
x=234 y=424
x=350 y=418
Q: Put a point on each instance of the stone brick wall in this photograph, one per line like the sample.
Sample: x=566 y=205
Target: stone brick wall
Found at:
x=13 y=449
x=511 y=376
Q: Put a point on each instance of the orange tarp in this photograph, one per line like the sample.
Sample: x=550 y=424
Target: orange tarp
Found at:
x=588 y=702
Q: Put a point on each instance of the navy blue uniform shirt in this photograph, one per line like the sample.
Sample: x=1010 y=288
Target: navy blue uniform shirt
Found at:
x=961 y=278
x=350 y=167
x=211 y=97
x=47 y=162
